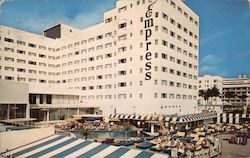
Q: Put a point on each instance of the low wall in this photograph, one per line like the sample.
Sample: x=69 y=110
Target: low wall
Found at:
x=12 y=139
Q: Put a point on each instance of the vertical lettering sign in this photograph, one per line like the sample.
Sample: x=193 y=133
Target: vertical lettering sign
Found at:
x=148 y=24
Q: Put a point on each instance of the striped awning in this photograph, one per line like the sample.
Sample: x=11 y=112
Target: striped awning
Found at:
x=137 y=117
x=194 y=117
x=57 y=146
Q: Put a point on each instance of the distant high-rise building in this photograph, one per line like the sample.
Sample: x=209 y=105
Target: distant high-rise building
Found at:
x=236 y=93
x=142 y=58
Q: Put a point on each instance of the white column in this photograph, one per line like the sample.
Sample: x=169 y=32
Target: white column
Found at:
x=224 y=118
x=218 y=118
x=28 y=110
x=230 y=118
x=78 y=111
x=48 y=115
x=37 y=99
x=237 y=118
x=152 y=128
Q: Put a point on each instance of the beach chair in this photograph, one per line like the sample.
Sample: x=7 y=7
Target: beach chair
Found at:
x=144 y=145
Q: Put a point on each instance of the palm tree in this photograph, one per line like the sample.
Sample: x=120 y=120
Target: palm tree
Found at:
x=214 y=93
x=201 y=94
x=207 y=95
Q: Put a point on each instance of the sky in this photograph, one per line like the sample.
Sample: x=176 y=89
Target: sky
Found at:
x=224 y=26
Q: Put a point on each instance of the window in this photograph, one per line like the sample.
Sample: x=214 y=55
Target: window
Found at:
x=185 y=14
x=32 y=45
x=172 y=59
x=164 y=16
x=99 y=87
x=99 y=37
x=172 y=46
x=42 y=81
x=122 y=9
x=172 y=4
x=172 y=21
x=42 y=56
x=164 y=69
x=99 y=67
x=178 y=73
x=179 y=10
x=32 y=54
x=179 y=38
x=178 y=96
x=156 y=14
x=164 y=82
x=122 y=61
x=21 y=61
x=9 y=68
x=122 y=84
x=120 y=73
x=91 y=59
x=172 y=34
x=109 y=55
x=185 y=30
x=99 y=57
x=165 y=43
x=171 y=96
x=164 y=56
x=178 y=85
x=163 y=95
x=123 y=25
x=20 y=42
x=109 y=34
x=171 y=83
x=9 y=40
x=9 y=49
x=9 y=78
x=9 y=59
x=179 y=26
x=32 y=62
x=42 y=64
x=21 y=70
x=172 y=71
x=108 y=20
x=99 y=77
x=122 y=49
x=122 y=37
x=32 y=71
x=179 y=50
x=164 y=29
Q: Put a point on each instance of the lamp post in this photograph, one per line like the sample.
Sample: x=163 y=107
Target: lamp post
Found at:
x=134 y=109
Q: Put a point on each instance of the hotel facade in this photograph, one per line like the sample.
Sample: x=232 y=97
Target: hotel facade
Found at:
x=239 y=99
x=142 y=58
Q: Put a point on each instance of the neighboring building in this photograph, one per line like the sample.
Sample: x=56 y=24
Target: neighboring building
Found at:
x=14 y=100
x=239 y=99
x=208 y=82
x=143 y=58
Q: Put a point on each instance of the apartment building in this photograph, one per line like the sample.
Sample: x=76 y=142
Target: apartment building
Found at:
x=142 y=58
x=236 y=93
x=208 y=82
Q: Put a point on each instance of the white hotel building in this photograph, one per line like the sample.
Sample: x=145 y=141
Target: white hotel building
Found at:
x=143 y=58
